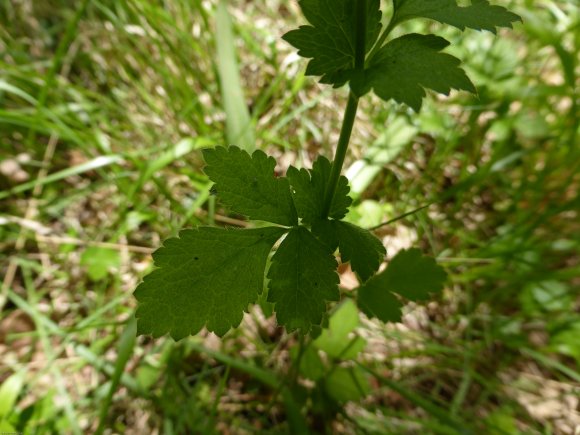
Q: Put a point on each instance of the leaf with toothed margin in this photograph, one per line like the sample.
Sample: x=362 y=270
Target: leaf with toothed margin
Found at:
x=206 y=277
x=408 y=65
x=479 y=15
x=309 y=188
x=247 y=184
x=302 y=279
x=358 y=246
x=409 y=274
x=330 y=40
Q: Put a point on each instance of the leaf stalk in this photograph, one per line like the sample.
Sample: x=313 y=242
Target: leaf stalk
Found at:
x=341 y=148
x=351 y=108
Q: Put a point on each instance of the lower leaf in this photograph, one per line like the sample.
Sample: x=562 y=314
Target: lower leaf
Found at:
x=302 y=278
x=206 y=277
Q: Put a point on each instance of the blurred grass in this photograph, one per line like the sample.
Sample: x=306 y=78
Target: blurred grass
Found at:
x=102 y=113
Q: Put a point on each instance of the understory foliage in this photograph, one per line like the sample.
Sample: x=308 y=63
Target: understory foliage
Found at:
x=104 y=113
x=207 y=277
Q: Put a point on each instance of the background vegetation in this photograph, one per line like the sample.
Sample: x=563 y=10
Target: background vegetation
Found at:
x=104 y=105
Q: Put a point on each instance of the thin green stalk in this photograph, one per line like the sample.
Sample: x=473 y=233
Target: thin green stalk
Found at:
x=350 y=111
x=342 y=147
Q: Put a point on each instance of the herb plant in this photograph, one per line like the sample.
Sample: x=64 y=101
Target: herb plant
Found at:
x=207 y=277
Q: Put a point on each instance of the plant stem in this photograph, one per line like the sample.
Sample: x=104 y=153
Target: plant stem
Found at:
x=350 y=111
x=343 y=140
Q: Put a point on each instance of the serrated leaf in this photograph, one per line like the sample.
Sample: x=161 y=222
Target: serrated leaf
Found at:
x=302 y=278
x=335 y=340
x=247 y=184
x=330 y=39
x=409 y=274
x=408 y=65
x=376 y=301
x=356 y=245
x=414 y=275
x=309 y=187
x=480 y=15
x=206 y=277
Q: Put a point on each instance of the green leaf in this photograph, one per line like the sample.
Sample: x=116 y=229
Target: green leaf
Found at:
x=308 y=189
x=330 y=39
x=247 y=184
x=414 y=275
x=408 y=65
x=206 y=277
x=98 y=262
x=480 y=15
x=357 y=245
x=375 y=300
x=302 y=278
x=347 y=384
x=311 y=366
x=7 y=428
x=9 y=392
x=409 y=274
x=336 y=340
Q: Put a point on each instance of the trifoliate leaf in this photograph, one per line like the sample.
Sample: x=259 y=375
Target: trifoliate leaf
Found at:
x=480 y=15
x=309 y=187
x=409 y=274
x=357 y=245
x=330 y=40
x=206 y=277
x=302 y=278
x=408 y=65
x=247 y=184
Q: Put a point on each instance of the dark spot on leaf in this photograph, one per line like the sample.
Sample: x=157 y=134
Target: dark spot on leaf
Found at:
x=196 y=258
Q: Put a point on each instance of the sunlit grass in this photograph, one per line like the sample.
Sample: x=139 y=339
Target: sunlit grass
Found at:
x=102 y=115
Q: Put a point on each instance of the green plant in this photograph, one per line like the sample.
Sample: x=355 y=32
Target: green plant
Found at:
x=208 y=276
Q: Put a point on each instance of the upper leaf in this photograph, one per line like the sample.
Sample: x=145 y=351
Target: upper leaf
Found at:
x=480 y=15
x=247 y=184
x=409 y=274
x=206 y=277
x=330 y=39
x=404 y=67
x=308 y=189
x=302 y=278
x=357 y=245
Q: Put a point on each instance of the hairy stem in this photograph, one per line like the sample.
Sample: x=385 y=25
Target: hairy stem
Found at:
x=351 y=108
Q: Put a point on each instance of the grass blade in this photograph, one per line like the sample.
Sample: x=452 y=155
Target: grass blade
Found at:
x=239 y=129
